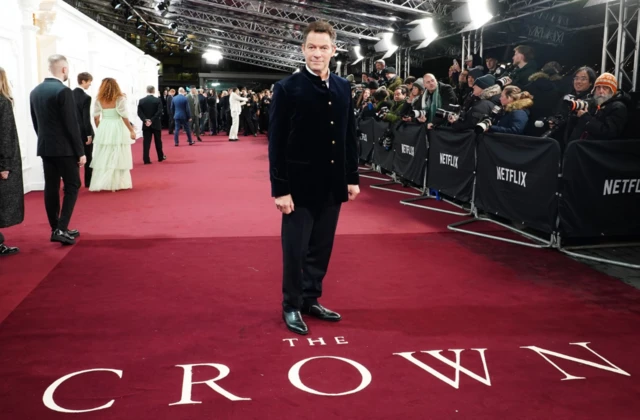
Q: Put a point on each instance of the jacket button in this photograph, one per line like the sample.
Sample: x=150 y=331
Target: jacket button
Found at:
x=333 y=142
x=332 y=161
x=329 y=103
x=331 y=122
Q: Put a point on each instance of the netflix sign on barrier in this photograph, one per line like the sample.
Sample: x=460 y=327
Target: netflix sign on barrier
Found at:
x=442 y=364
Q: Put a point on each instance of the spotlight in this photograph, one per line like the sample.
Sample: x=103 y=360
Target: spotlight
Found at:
x=182 y=39
x=116 y=4
x=139 y=24
x=129 y=15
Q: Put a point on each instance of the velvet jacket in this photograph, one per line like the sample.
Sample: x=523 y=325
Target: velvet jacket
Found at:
x=312 y=139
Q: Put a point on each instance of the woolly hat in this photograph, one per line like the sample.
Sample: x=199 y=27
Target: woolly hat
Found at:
x=391 y=70
x=608 y=80
x=485 y=81
x=476 y=72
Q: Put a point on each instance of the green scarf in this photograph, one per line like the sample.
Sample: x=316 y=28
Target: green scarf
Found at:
x=436 y=102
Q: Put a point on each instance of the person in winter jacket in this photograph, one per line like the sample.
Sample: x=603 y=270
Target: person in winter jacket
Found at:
x=486 y=95
x=515 y=106
x=608 y=120
x=525 y=66
x=546 y=87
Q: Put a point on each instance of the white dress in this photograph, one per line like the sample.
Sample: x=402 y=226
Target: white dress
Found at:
x=112 y=158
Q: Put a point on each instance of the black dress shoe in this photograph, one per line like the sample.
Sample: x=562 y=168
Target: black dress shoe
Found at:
x=294 y=322
x=162 y=159
x=322 y=313
x=63 y=237
x=8 y=250
x=73 y=233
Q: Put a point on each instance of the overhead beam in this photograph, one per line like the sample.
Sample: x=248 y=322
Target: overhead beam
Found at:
x=287 y=15
x=416 y=7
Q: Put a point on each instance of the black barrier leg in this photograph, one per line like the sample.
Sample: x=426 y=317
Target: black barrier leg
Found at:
x=371 y=170
x=541 y=243
x=569 y=250
x=394 y=181
x=412 y=201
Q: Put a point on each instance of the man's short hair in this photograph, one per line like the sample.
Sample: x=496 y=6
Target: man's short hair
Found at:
x=56 y=59
x=84 y=77
x=527 y=51
x=319 y=26
x=151 y=89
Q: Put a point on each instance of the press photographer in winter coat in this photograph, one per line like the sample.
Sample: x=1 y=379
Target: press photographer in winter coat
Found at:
x=486 y=95
x=515 y=111
x=608 y=120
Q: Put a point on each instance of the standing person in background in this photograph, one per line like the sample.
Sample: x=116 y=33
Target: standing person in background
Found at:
x=112 y=159
x=212 y=104
x=60 y=145
x=83 y=108
x=235 y=104
x=313 y=167
x=194 y=108
x=182 y=116
x=150 y=112
x=11 y=189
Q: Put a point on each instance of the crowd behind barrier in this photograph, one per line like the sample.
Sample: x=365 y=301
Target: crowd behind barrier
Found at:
x=589 y=191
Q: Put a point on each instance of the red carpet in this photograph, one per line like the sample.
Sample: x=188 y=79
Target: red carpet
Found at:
x=184 y=270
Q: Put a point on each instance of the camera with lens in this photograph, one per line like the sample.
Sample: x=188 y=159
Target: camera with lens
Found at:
x=575 y=104
x=382 y=112
x=488 y=120
x=503 y=72
x=386 y=140
x=444 y=114
x=414 y=115
x=555 y=121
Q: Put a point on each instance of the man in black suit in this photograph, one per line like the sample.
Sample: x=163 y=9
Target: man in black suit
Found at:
x=313 y=166
x=150 y=112
x=83 y=110
x=53 y=112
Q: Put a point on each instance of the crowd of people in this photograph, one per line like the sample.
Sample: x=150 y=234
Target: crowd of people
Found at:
x=519 y=98
x=206 y=111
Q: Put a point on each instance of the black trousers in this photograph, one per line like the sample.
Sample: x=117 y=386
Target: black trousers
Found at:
x=65 y=167
x=307 y=242
x=147 y=132
x=88 y=171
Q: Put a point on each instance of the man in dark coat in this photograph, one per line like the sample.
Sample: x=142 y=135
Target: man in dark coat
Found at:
x=150 y=113
x=83 y=110
x=53 y=112
x=11 y=189
x=313 y=166
x=609 y=118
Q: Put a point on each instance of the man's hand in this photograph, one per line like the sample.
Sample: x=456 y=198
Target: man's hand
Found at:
x=581 y=112
x=4 y=174
x=147 y=123
x=429 y=126
x=453 y=118
x=285 y=204
x=82 y=160
x=354 y=190
x=89 y=140
x=422 y=119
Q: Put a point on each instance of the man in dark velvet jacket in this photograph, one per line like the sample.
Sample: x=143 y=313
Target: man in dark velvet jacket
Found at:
x=313 y=166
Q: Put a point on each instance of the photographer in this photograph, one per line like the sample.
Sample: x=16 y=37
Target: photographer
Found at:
x=486 y=95
x=525 y=66
x=515 y=111
x=609 y=118
x=378 y=106
x=544 y=86
x=436 y=95
x=400 y=106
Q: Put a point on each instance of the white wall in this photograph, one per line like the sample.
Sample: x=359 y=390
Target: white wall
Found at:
x=61 y=29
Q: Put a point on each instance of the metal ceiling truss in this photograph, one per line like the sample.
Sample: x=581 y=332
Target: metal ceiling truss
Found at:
x=416 y=7
x=621 y=48
x=292 y=36
x=277 y=47
x=268 y=11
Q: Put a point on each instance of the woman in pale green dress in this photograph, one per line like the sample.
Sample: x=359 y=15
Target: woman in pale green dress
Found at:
x=112 y=159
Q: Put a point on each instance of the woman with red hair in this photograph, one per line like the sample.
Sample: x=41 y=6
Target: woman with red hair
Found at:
x=112 y=159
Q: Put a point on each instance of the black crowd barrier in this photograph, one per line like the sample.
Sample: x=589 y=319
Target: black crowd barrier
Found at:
x=517 y=178
x=592 y=191
x=410 y=147
x=381 y=156
x=601 y=189
x=452 y=163
x=367 y=139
